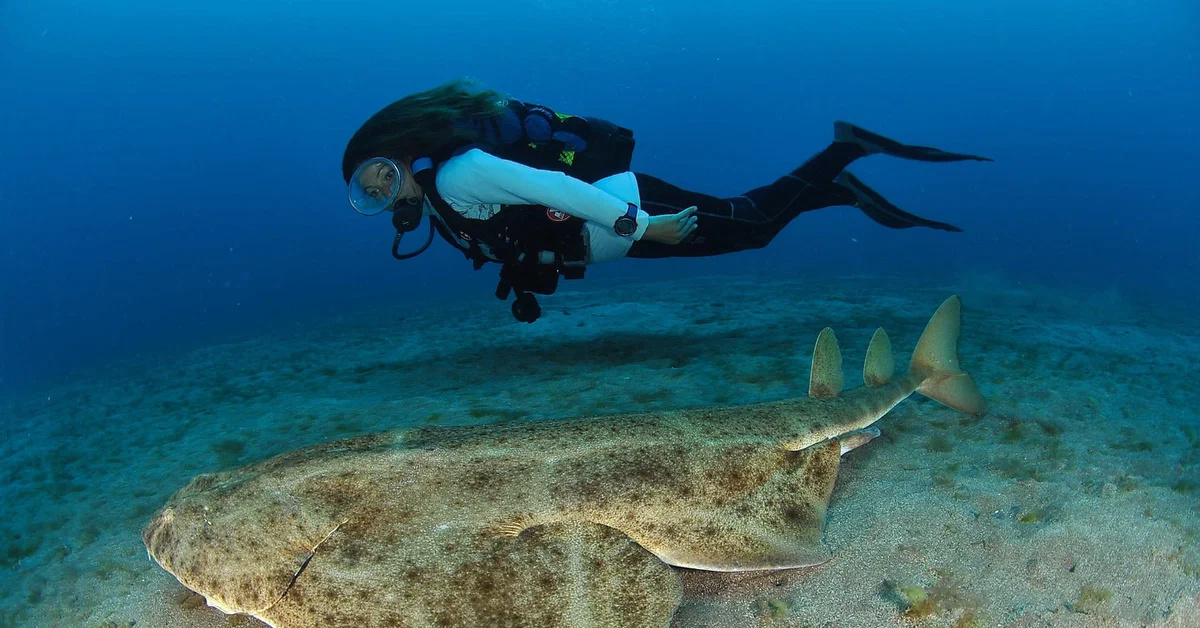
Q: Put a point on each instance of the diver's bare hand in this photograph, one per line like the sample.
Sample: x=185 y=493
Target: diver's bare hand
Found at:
x=671 y=228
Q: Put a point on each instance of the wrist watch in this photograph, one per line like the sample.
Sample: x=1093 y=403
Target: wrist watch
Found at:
x=626 y=225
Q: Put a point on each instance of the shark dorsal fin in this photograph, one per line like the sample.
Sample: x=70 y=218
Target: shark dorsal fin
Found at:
x=879 y=366
x=826 y=379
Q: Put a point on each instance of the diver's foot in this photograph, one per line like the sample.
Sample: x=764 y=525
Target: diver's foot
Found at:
x=880 y=210
x=873 y=143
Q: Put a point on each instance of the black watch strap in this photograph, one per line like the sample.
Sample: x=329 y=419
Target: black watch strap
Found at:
x=626 y=225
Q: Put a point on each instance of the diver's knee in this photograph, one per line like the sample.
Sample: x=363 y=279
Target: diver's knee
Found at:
x=759 y=240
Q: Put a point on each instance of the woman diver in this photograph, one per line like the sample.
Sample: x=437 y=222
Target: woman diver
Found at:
x=543 y=194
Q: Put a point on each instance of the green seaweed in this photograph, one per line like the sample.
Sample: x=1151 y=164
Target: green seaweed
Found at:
x=1037 y=515
x=939 y=444
x=1050 y=428
x=723 y=397
x=347 y=423
x=968 y=420
x=1014 y=469
x=1134 y=446
x=918 y=602
x=1185 y=487
x=228 y=451
x=1013 y=432
x=1090 y=600
x=1127 y=483
x=1056 y=451
x=945 y=597
x=644 y=397
x=1192 y=434
x=501 y=415
x=772 y=609
x=943 y=480
x=678 y=362
x=777 y=372
x=17 y=548
x=88 y=535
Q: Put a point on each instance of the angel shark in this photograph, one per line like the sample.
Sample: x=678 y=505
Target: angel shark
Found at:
x=548 y=524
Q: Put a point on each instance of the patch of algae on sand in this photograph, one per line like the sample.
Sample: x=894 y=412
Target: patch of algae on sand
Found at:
x=944 y=598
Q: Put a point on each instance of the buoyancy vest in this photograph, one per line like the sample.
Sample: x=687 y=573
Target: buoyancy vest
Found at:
x=533 y=243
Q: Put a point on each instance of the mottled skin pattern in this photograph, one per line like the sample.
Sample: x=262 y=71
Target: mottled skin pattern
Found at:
x=565 y=523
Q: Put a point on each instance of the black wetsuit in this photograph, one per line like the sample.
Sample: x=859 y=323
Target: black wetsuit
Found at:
x=751 y=220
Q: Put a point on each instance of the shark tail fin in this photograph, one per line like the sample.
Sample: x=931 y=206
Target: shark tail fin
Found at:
x=935 y=360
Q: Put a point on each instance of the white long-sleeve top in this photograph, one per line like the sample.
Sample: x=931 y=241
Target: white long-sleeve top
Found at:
x=476 y=184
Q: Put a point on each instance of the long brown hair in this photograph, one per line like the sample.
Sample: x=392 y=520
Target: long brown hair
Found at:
x=421 y=122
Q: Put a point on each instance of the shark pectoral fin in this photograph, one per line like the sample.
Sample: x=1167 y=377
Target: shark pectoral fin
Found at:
x=747 y=547
x=606 y=579
x=791 y=506
x=777 y=526
x=555 y=575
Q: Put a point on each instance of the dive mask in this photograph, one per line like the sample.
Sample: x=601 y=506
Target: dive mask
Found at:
x=375 y=186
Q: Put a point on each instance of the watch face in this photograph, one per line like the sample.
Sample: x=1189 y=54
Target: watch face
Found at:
x=625 y=226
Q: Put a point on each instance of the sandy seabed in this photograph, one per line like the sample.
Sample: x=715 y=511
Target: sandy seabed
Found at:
x=1072 y=502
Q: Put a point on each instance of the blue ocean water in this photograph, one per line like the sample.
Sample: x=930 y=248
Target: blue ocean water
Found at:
x=185 y=288
x=170 y=172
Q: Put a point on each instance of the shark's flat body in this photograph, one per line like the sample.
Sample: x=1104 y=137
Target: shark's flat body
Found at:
x=549 y=524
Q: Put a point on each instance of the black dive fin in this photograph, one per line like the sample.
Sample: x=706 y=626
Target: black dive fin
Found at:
x=883 y=212
x=874 y=143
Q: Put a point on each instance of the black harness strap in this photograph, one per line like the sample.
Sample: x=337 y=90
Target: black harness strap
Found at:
x=534 y=244
x=451 y=221
x=523 y=238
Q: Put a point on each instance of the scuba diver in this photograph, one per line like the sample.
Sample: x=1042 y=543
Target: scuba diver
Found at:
x=543 y=194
